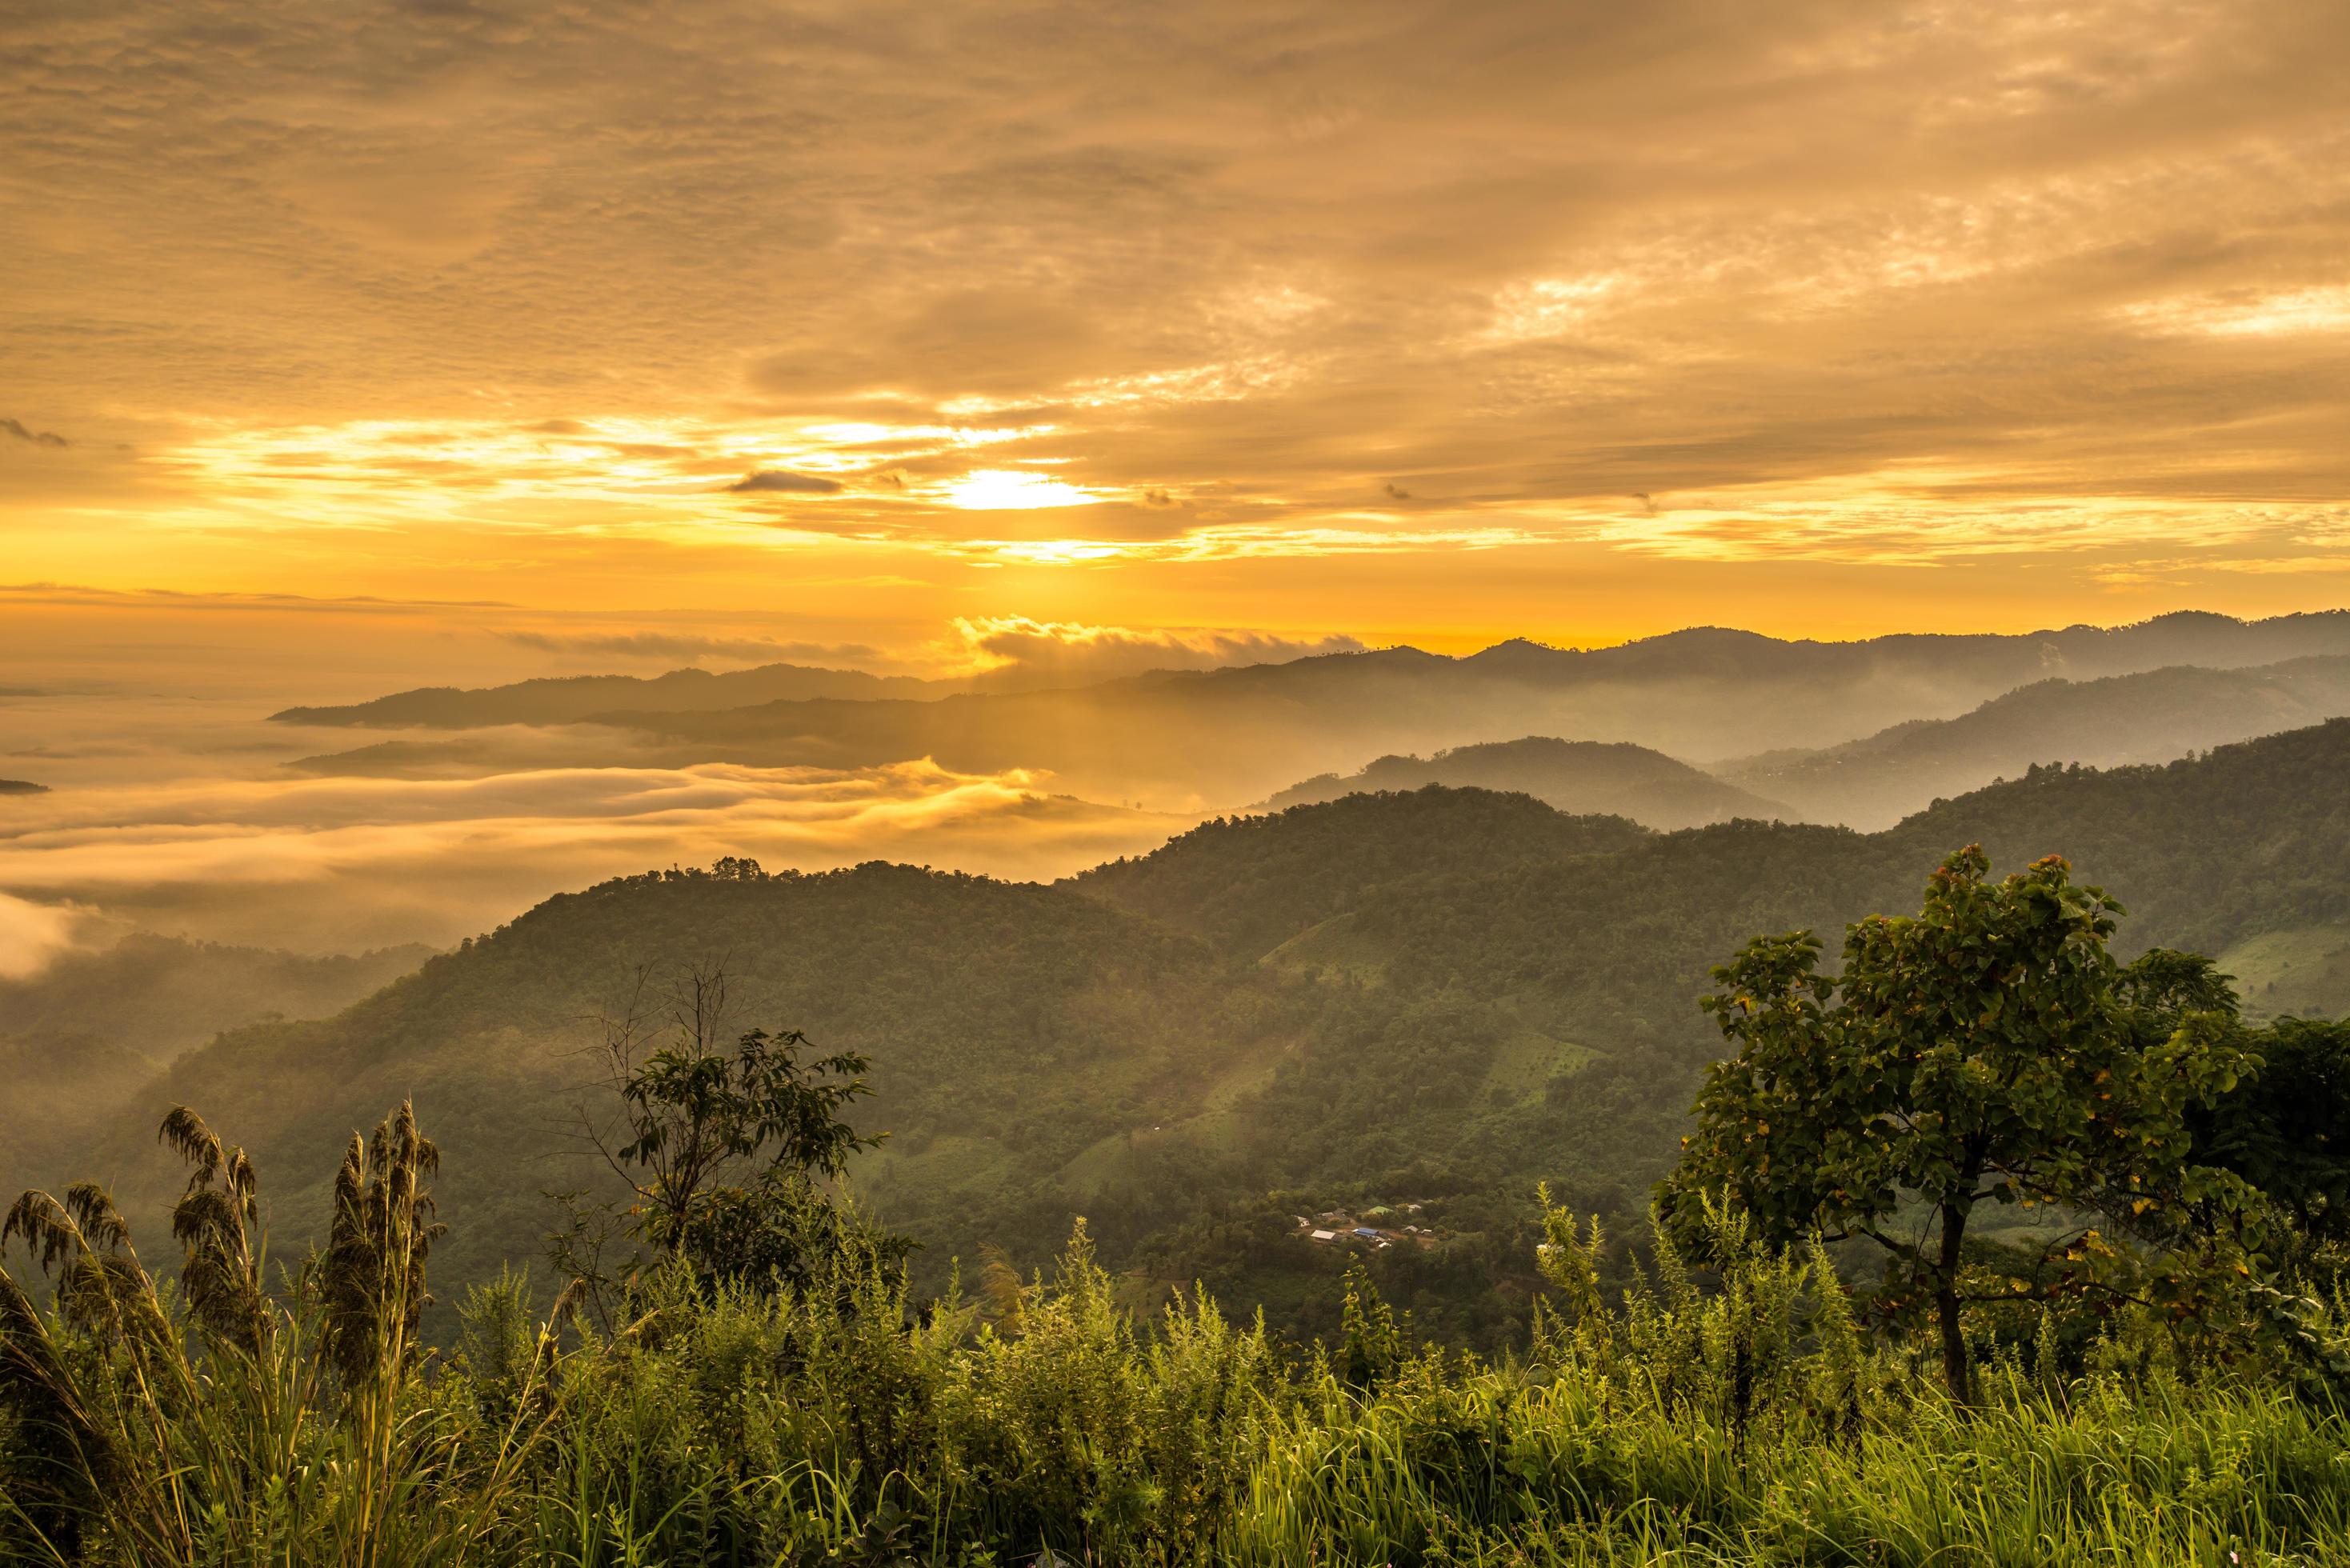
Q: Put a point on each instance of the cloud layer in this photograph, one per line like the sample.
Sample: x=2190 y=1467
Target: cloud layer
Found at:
x=351 y=863
x=543 y=294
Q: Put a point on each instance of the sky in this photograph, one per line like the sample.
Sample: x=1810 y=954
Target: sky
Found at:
x=830 y=325
x=352 y=346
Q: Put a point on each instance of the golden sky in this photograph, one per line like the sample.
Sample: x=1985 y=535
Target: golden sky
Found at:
x=840 y=329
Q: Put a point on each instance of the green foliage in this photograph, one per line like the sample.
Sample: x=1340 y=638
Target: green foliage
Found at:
x=2287 y=1131
x=218 y=1424
x=1988 y=1050
x=696 y=1113
x=1727 y=1408
x=372 y=1279
x=725 y=1148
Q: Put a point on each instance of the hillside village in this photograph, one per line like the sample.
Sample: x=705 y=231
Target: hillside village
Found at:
x=1376 y=1228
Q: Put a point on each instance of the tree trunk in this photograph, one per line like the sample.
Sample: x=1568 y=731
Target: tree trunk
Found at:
x=1946 y=1302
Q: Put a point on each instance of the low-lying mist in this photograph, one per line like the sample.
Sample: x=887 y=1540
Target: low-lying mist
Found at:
x=317 y=864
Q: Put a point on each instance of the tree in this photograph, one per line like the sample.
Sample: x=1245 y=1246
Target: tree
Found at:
x=2286 y=1130
x=724 y=1146
x=1989 y=1049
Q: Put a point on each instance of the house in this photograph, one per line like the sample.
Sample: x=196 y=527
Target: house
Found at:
x=1326 y=1235
x=1366 y=1232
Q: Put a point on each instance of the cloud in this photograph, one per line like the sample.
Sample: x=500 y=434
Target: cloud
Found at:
x=777 y=481
x=38 y=438
x=690 y=649
x=32 y=934
x=1949 y=275
x=1007 y=650
x=347 y=863
x=80 y=595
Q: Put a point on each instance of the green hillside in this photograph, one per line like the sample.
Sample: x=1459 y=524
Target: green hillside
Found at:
x=1250 y=882
x=1442 y=996
x=1016 y=1023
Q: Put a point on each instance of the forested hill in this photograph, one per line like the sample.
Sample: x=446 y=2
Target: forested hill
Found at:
x=1588 y=776
x=1249 y=882
x=2205 y=854
x=1010 y=1025
x=1446 y=995
x=2118 y=720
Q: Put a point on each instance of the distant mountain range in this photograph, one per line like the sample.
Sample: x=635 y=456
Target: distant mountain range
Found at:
x=566 y=699
x=2123 y=719
x=1226 y=736
x=1575 y=777
x=1449 y=994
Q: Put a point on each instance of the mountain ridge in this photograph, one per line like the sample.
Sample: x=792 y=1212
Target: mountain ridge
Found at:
x=1578 y=777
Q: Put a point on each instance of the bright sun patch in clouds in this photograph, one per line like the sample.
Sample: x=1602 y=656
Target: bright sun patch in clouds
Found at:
x=1014 y=490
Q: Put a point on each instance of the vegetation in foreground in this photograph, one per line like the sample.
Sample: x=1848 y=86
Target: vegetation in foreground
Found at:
x=754 y=1383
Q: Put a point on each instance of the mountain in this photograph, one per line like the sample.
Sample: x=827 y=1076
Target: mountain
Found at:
x=1575 y=776
x=1249 y=882
x=1236 y=735
x=2117 y=721
x=1193 y=740
x=1011 y=1025
x=566 y=699
x=1446 y=995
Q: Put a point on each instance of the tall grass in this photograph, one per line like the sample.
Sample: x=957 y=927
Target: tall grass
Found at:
x=1727 y=1410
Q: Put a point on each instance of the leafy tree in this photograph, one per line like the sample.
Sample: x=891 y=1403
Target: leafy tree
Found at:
x=2286 y=1130
x=724 y=1146
x=1988 y=1050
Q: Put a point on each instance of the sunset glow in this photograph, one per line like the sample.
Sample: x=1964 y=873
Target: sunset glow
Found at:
x=1918 y=290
